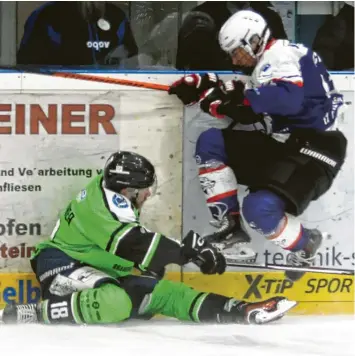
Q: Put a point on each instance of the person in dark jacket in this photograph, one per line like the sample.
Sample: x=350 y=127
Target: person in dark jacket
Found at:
x=334 y=41
x=198 y=47
x=76 y=33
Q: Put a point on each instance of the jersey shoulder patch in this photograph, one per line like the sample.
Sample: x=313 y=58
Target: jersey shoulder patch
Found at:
x=277 y=63
x=120 y=206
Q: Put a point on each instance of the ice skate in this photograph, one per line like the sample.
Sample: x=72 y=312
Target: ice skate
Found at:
x=304 y=258
x=20 y=314
x=232 y=239
x=256 y=313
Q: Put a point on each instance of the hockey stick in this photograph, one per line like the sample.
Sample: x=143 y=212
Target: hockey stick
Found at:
x=347 y=272
x=231 y=262
x=89 y=77
x=110 y=80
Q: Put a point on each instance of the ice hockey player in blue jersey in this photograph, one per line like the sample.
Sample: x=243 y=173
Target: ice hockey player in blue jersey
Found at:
x=291 y=162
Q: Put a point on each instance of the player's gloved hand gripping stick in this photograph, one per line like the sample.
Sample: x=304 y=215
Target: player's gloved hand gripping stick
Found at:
x=196 y=249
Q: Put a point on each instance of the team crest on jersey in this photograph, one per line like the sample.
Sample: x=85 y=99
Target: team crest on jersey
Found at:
x=266 y=71
x=81 y=196
x=119 y=201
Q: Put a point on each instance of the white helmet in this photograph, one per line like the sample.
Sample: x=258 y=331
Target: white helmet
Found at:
x=239 y=31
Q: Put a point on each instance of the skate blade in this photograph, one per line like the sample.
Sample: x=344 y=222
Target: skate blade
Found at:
x=233 y=259
x=240 y=254
x=230 y=243
x=283 y=306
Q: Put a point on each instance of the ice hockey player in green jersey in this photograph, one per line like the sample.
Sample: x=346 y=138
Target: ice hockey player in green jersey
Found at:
x=85 y=268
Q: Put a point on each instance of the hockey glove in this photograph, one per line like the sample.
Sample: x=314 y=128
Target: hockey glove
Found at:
x=211 y=261
x=235 y=91
x=220 y=102
x=189 y=88
x=194 y=248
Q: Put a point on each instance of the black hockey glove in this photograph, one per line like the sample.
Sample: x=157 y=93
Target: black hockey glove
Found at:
x=190 y=87
x=219 y=102
x=235 y=91
x=194 y=248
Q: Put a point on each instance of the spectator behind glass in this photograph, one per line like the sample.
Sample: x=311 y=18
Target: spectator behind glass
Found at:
x=334 y=41
x=198 y=47
x=72 y=33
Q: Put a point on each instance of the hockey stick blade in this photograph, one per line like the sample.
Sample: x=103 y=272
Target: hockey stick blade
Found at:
x=347 y=272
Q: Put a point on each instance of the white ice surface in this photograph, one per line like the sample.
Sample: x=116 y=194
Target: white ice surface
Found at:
x=292 y=336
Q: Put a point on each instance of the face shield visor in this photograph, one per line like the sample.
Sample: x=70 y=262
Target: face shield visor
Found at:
x=139 y=195
x=244 y=56
x=154 y=187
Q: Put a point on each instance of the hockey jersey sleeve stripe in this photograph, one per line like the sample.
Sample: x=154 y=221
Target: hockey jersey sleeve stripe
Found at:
x=75 y=307
x=297 y=80
x=117 y=235
x=121 y=236
x=218 y=197
x=150 y=252
x=210 y=170
x=291 y=76
x=196 y=306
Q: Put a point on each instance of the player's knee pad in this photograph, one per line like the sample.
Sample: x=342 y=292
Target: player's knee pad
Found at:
x=103 y=305
x=263 y=210
x=210 y=147
x=106 y=304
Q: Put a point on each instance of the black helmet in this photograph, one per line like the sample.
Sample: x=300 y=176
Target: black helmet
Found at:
x=126 y=169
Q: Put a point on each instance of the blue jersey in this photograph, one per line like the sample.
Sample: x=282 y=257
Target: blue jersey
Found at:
x=292 y=86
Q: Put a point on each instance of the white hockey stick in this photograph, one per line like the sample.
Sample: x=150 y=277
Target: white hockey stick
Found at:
x=232 y=263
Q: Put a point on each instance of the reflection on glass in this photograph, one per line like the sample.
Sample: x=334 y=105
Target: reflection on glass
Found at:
x=155 y=35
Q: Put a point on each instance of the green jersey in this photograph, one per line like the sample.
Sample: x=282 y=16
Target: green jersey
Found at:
x=101 y=228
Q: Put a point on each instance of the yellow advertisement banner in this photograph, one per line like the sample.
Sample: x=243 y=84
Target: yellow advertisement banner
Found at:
x=20 y=288
x=315 y=293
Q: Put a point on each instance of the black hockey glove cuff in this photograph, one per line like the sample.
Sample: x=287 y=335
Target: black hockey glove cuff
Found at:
x=190 y=87
x=220 y=102
x=235 y=91
x=212 y=100
x=211 y=261
x=194 y=248
x=191 y=245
